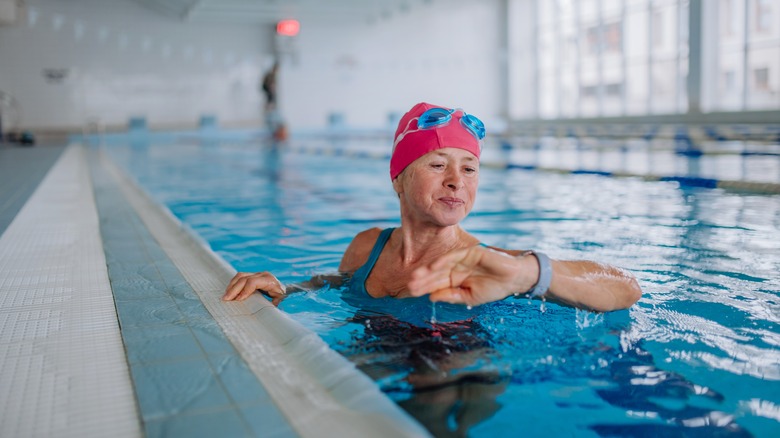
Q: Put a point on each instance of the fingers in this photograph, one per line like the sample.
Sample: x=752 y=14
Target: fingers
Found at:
x=455 y=295
x=452 y=295
x=424 y=280
x=235 y=279
x=452 y=258
x=445 y=272
x=243 y=285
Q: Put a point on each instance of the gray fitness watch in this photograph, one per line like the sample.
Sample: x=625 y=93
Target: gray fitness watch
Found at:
x=545 y=274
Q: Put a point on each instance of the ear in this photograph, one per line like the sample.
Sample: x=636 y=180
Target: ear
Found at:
x=398 y=184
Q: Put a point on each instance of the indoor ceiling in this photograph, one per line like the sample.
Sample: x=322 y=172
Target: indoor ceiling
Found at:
x=271 y=11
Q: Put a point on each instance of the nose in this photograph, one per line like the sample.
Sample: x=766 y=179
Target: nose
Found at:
x=453 y=179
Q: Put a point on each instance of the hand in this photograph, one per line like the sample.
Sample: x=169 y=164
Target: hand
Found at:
x=473 y=276
x=245 y=284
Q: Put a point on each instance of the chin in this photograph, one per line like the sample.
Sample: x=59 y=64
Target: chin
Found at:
x=450 y=221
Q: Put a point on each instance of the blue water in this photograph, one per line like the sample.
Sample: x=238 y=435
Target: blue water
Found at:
x=698 y=355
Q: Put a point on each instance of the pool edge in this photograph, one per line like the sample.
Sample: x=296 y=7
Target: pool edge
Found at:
x=318 y=390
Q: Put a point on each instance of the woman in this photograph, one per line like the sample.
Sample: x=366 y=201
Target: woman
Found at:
x=434 y=170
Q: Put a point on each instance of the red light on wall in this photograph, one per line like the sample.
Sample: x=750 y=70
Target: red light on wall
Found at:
x=288 y=27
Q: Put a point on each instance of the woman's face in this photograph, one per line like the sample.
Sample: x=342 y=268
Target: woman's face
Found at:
x=439 y=187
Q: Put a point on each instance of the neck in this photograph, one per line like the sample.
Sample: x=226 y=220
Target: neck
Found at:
x=419 y=244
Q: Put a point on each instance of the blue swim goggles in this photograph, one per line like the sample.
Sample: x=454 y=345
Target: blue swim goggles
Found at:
x=436 y=117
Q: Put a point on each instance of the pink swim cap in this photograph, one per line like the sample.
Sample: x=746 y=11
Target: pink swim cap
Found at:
x=415 y=143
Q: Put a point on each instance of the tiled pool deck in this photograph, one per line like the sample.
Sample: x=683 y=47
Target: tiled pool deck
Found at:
x=111 y=323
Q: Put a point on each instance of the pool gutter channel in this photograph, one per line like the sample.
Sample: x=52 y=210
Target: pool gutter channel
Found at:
x=319 y=391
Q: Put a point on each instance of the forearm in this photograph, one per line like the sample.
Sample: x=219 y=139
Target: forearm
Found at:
x=317 y=282
x=592 y=286
x=479 y=275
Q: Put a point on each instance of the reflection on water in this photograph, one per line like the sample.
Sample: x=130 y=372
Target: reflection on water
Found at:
x=646 y=391
x=699 y=354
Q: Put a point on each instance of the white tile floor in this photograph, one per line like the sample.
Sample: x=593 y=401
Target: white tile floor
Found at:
x=63 y=370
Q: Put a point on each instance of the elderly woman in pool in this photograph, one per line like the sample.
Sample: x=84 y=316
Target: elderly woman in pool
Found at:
x=435 y=173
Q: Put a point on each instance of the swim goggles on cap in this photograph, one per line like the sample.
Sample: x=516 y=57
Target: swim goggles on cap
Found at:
x=436 y=117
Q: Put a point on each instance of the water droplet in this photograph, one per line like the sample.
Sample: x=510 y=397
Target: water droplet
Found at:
x=433 y=313
x=469 y=307
x=516 y=294
x=543 y=306
x=501 y=320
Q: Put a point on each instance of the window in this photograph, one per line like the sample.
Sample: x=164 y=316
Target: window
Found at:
x=612 y=41
x=610 y=58
x=728 y=17
x=613 y=38
x=763 y=16
x=589 y=91
x=729 y=81
x=746 y=48
x=614 y=90
x=761 y=78
x=658 y=28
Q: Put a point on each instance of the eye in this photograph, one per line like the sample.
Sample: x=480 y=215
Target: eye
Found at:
x=437 y=165
x=470 y=170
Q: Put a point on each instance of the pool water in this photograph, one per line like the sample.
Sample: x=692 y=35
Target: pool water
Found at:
x=699 y=354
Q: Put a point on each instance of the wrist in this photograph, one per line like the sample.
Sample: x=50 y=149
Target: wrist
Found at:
x=542 y=273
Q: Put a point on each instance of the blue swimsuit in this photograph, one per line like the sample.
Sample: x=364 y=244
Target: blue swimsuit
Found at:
x=358 y=283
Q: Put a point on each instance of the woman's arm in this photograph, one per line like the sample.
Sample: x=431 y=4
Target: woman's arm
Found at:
x=478 y=275
x=244 y=284
x=592 y=286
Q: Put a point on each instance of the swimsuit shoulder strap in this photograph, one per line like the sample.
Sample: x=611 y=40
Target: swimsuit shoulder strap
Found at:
x=361 y=275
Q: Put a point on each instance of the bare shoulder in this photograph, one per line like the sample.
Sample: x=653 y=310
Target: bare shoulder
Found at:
x=358 y=250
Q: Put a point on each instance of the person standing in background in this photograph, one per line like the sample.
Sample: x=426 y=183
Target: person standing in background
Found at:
x=269 y=87
x=273 y=118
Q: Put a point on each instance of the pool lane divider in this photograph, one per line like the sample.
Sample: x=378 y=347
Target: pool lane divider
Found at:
x=683 y=181
x=318 y=391
x=63 y=371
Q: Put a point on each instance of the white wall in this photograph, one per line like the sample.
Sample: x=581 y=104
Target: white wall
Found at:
x=442 y=52
x=124 y=60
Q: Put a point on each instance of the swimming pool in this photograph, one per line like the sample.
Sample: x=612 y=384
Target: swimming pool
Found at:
x=699 y=354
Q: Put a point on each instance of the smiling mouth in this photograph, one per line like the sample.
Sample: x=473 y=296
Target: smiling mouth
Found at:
x=452 y=202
